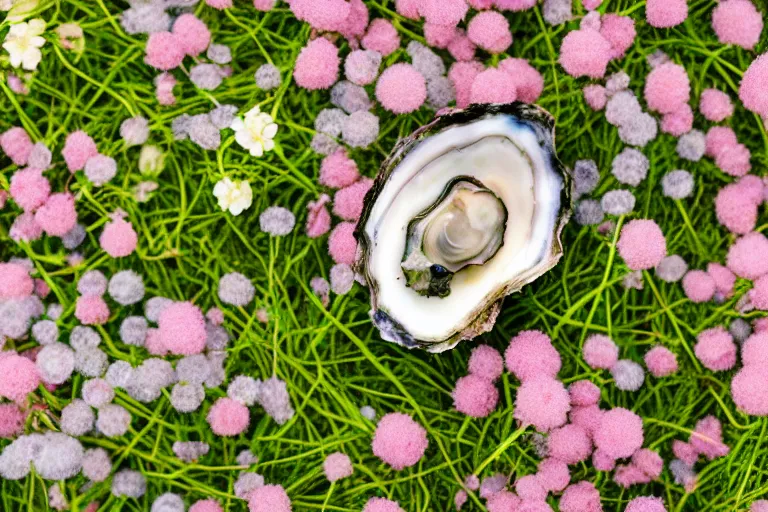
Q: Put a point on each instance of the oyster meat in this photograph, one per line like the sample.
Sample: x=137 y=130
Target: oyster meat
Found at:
x=465 y=211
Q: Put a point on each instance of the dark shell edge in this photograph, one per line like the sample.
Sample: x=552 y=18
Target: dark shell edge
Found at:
x=543 y=125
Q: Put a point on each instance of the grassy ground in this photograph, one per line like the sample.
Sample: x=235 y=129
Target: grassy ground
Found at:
x=333 y=360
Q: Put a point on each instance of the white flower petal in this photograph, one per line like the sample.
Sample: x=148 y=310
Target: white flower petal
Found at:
x=270 y=131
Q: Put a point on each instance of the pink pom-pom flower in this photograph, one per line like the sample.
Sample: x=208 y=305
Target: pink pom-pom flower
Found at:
x=29 y=188
x=382 y=37
x=269 y=498
x=666 y=13
x=78 y=148
x=57 y=216
x=642 y=244
x=475 y=396
x=192 y=35
x=715 y=105
x=164 y=51
x=660 y=361
x=18 y=377
x=118 y=239
x=337 y=466
x=337 y=170
x=752 y=88
x=15 y=282
x=181 y=329
x=737 y=22
x=715 y=349
x=228 y=417
x=584 y=393
x=667 y=88
x=17 y=145
x=530 y=355
x=348 y=202
x=399 y=441
x=620 y=433
x=527 y=80
x=698 y=286
x=318 y=218
x=543 y=403
x=746 y=257
x=342 y=245
x=91 y=310
x=493 y=86
x=317 y=66
x=489 y=30
x=581 y=497
x=600 y=352
x=585 y=53
x=401 y=89
x=749 y=388
x=570 y=444
x=486 y=362
x=620 y=32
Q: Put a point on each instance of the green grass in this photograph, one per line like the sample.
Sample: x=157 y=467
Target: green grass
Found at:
x=333 y=360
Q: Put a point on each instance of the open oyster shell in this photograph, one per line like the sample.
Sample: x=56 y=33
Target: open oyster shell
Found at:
x=465 y=211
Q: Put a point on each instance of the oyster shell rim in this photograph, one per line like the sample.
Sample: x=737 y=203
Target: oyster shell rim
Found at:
x=542 y=124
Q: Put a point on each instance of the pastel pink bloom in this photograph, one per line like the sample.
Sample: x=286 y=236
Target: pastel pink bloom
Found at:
x=737 y=22
x=667 y=88
x=337 y=466
x=719 y=138
x=758 y=295
x=620 y=32
x=408 y=8
x=490 y=31
x=514 y=5
x=660 y=361
x=342 y=245
x=471 y=482
x=595 y=96
x=585 y=53
x=734 y=160
x=746 y=257
x=348 y=202
x=461 y=48
x=649 y=462
x=16 y=144
x=460 y=499
x=534 y=506
x=78 y=148
x=361 y=67
x=600 y=352
x=715 y=105
x=17 y=85
x=570 y=444
x=381 y=37
x=317 y=66
x=164 y=84
x=41 y=288
x=620 y=433
x=725 y=280
x=15 y=282
x=264 y=5
x=527 y=80
x=475 y=396
x=209 y=505
x=318 y=219
x=749 y=389
x=443 y=12
x=528 y=487
x=581 y=497
x=337 y=170
x=685 y=452
x=91 y=310
x=181 y=329
x=707 y=438
x=18 y=377
x=401 y=89
x=679 y=122
x=736 y=210
x=642 y=244
x=479 y=5
x=269 y=498
x=603 y=461
x=715 y=349
x=755 y=350
x=753 y=84
x=760 y=325
x=553 y=474
x=463 y=75
x=399 y=441
x=325 y=15
x=493 y=86
x=543 y=403
x=381 y=505
x=228 y=417
x=591 y=5
x=583 y=393
x=29 y=188
x=530 y=355
x=164 y=51
x=154 y=343
x=503 y=501
x=11 y=420
x=629 y=475
x=486 y=362
x=666 y=13
x=440 y=36
x=26 y=228
x=646 y=504
x=698 y=286
x=118 y=239
x=192 y=35
x=355 y=23
x=219 y=4
x=57 y=216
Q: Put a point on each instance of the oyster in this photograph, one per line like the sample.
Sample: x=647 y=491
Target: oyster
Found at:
x=465 y=211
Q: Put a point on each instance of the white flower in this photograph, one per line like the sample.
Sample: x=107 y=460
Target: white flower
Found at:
x=23 y=43
x=151 y=160
x=255 y=132
x=234 y=196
